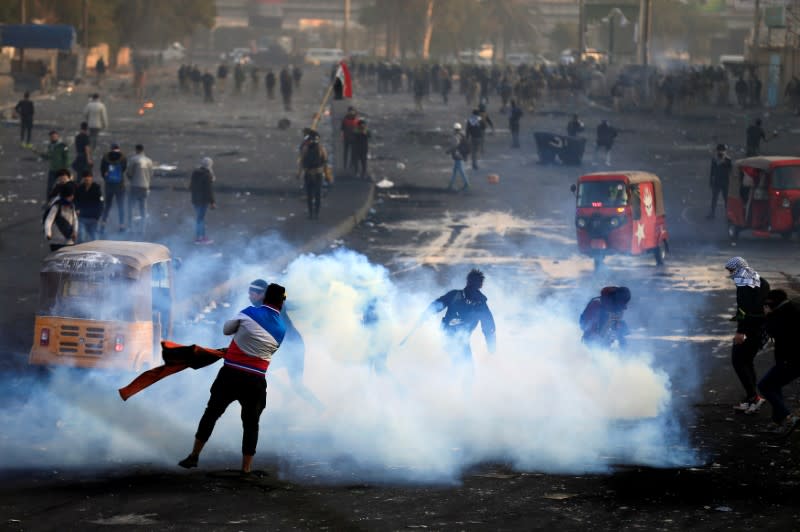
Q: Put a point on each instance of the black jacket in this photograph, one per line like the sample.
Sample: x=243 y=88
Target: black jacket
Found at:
x=720 y=172
x=465 y=308
x=89 y=202
x=202 y=187
x=24 y=109
x=783 y=325
x=750 y=308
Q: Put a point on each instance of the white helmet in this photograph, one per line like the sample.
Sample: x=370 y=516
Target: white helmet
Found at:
x=457 y=126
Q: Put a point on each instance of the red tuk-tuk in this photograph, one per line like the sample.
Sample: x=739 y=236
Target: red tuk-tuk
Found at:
x=764 y=195
x=620 y=212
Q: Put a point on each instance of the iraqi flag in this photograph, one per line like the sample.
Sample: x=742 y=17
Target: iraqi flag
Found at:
x=343 y=75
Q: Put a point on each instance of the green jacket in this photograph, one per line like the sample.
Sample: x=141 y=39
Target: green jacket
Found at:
x=58 y=156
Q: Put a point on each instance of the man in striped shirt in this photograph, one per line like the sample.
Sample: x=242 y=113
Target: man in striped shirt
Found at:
x=257 y=333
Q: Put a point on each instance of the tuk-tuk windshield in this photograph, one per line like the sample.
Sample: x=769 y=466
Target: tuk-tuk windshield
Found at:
x=602 y=194
x=94 y=297
x=786 y=178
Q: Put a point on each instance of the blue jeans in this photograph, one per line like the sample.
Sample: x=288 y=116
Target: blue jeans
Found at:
x=137 y=197
x=200 y=220
x=87 y=227
x=458 y=168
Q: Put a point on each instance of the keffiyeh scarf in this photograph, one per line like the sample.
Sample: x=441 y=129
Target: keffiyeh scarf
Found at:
x=742 y=274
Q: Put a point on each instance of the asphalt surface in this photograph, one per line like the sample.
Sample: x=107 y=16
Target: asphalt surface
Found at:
x=520 y=230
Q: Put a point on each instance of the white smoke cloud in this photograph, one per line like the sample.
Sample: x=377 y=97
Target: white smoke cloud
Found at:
x=542 y=402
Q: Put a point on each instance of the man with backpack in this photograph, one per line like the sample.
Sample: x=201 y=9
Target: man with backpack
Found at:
x=61 y=221
x=112 y=168
x=602 y=320
x=313 y=160
x=459 y=151
x=475 y=129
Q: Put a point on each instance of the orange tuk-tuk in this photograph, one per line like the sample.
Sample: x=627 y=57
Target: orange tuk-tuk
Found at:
x=103 y=304
x=620 y=212
x=764 y=195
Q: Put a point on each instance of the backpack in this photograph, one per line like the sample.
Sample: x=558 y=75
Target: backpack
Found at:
x=475 y=126
x=114 y=173
x=463 y=147
x=590 y=315
x=312 y=158
x=61 y=223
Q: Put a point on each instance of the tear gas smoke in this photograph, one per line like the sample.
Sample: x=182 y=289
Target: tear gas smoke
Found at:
x=542 y=402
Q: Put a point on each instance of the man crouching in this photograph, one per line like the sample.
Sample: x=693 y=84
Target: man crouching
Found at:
x=257 y=333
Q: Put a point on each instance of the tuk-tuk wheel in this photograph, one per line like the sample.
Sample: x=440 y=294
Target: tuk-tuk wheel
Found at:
x=660 y=253
x=733 y=231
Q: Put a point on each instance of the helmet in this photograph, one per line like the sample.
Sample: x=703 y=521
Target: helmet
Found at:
x=457 y=126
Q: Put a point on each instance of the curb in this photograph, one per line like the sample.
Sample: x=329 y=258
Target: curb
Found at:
x=314 y=246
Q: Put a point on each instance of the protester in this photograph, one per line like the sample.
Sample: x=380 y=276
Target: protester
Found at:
x=100 y=70
x=139 y=174
x=782 y=325
x=269 y=83
x=754 y=135
x=751 y=290
x=62 y=176
x=257 y=335
x=61 y=223
x=605 y=140
x=112 y=168
x=359 y=150
x=459 y=151
x=602 y=320
x=83 y=151
x=574 y=126
x=285 y=81
x=89 y=203
x=57 y=156
x=25 y=111
x=313 y=160
x=348 y=127
x=514 y=116
x=464 y=309
x=96 y=116
x=208 y=87
x=202 y=190
x=474 y=135
x=719 y=176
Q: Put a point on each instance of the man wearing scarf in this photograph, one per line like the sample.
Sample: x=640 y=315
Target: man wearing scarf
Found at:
x=751 y=289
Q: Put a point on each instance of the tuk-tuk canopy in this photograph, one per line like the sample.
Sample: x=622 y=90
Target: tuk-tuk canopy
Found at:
x=764 y=164
x=632 y=177
x=132 y=257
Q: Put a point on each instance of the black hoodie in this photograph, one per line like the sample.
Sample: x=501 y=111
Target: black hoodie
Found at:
x=113 y=157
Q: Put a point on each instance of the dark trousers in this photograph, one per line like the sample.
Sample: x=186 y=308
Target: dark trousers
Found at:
x=358 y=163
x=313 y=193
x=287 y=100
x=475 y=145
x=515 y=137
x=93 y=134
x=716 y=192
x=771 y=385
x=236 y=385
x=25 y=129
x=271 y=93
x=347 y=153
x=51 y=181
x=115 y=190
x=742 y=357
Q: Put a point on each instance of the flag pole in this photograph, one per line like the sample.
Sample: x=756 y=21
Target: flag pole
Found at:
x=318 y=116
